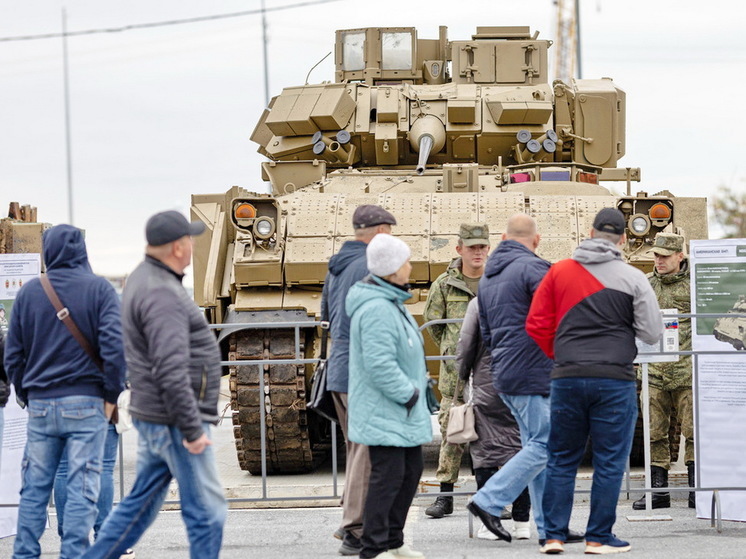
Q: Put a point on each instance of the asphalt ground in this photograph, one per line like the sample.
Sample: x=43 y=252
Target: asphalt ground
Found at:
x=279 y=528
x=307 y=532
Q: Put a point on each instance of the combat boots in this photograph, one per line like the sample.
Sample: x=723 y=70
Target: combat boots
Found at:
x=660 y=500
x=442 y=505
x=692 y=494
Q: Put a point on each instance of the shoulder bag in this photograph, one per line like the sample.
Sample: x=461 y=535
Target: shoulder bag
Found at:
x=321 y=400
x=461 y=424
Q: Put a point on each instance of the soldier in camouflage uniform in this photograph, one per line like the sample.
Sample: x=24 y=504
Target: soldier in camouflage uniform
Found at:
x=670 y=383
x=449 y=296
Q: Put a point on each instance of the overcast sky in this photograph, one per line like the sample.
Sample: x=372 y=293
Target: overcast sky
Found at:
x=159 y=114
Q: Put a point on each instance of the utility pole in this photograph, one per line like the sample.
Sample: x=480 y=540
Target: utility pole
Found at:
x=264 y=50
x=68 y=145
x=567 y=56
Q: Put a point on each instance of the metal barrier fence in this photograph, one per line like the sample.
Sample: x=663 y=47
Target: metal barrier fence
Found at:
x=299 y=359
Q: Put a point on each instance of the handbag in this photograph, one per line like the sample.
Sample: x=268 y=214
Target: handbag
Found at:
x=64 y=315
x=431 y=399
x=461 y=423
x=321 y=400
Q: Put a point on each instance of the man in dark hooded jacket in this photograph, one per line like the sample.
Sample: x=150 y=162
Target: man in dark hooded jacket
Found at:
x=346 y=268
x=520 y=372
x=64 y=389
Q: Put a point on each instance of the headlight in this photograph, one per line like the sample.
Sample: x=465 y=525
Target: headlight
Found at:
x=264 y=227
x=639 y=224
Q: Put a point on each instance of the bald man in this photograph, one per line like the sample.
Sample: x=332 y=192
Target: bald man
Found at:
x=520 y=372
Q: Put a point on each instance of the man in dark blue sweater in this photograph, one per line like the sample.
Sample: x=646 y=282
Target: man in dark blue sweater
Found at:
x=69 y=398
x=346 y=268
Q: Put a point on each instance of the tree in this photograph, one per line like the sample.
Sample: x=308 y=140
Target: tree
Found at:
x=729 y=211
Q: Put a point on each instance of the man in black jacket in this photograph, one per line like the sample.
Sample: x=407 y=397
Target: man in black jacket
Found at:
x=173 y=362
x=346 y=268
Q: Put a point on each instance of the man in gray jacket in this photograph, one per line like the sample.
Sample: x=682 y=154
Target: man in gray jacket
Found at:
x=173 y=362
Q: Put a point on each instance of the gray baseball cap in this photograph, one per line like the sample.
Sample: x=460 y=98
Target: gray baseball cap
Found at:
x=369 y=215
x=166 y=227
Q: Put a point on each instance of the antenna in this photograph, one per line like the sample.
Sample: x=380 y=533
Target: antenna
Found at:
x=314 y=66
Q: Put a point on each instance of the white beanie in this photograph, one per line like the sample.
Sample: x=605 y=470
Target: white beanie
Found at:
x=386 y=254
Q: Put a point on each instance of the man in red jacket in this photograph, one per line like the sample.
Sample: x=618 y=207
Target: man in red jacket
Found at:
x=585 y=315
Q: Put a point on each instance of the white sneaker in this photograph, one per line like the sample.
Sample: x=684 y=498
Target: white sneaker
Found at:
x=129 y=554
x=521 y=530
x=484 y=534
x=406 y=552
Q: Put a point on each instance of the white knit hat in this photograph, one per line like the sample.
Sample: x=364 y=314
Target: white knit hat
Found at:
x=386 y=254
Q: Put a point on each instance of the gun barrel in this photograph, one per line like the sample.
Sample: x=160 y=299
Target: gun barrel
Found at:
x=426 y=145
x=426 y=136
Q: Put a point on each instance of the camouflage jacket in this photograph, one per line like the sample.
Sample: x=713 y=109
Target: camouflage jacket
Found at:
x=448 y=298
x=673 y=292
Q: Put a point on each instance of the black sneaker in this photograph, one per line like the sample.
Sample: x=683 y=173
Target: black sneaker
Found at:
x=350 y=545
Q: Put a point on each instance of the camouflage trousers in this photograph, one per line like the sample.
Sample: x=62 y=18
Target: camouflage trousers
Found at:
x=661 y=404
x=449 y=459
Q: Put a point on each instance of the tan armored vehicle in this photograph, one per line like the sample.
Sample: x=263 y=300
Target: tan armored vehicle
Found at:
x=438 y=132
x=732 y=329
x=19 y=231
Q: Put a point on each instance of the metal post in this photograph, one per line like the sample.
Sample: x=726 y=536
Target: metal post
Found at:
x=645 y=397
x=578 y=51
x=66 y=87
x=264 y=51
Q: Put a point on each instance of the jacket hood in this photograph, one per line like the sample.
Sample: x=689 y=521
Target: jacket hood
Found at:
x=64 y=247
x=350 y=251
x=596 y=251
x=682 y=274
x=373 y=287
x=504 y=255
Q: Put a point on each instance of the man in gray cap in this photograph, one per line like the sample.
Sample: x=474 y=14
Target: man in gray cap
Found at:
x=346 y=268
x=670 y=383
x=173 y=362
x=449 y=297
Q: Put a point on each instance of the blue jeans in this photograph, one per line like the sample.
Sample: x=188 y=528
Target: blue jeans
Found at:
x=106 y=495
x=605 y=409
x=527 y=467
x=161 y=456
x=72 y=424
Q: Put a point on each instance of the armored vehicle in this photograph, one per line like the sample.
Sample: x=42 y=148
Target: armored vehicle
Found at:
x=438 y=132
x=732 y=329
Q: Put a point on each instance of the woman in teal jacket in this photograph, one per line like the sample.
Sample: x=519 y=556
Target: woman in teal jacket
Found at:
x=387 y=408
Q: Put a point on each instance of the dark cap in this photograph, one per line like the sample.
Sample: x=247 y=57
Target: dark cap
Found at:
x=166 y=227
x=369 y=215
x=667 y=244
x=609 y=220
x=474 y=234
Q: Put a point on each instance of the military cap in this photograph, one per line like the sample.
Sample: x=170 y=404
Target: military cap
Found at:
x=474 y=234
x=609 y=220
x=369 y=215
x=667 y=244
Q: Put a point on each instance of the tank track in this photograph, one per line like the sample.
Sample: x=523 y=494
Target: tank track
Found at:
x=289 y=446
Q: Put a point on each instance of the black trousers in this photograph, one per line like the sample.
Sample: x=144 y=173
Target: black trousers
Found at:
x=521 y=506
x=394 y=475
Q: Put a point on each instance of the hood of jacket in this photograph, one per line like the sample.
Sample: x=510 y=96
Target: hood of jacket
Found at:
x=350 y=251
x=504 y=255
x=64 y=247
x=596 y=251
x=373 y=287
x=668 y=279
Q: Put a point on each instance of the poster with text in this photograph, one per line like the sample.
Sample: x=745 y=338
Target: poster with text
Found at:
x=719 y=286
x=15 y=271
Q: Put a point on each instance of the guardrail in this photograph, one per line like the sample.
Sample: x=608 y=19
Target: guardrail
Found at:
x=300 y=359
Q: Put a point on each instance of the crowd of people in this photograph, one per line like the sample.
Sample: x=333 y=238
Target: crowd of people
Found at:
x=544 y=353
